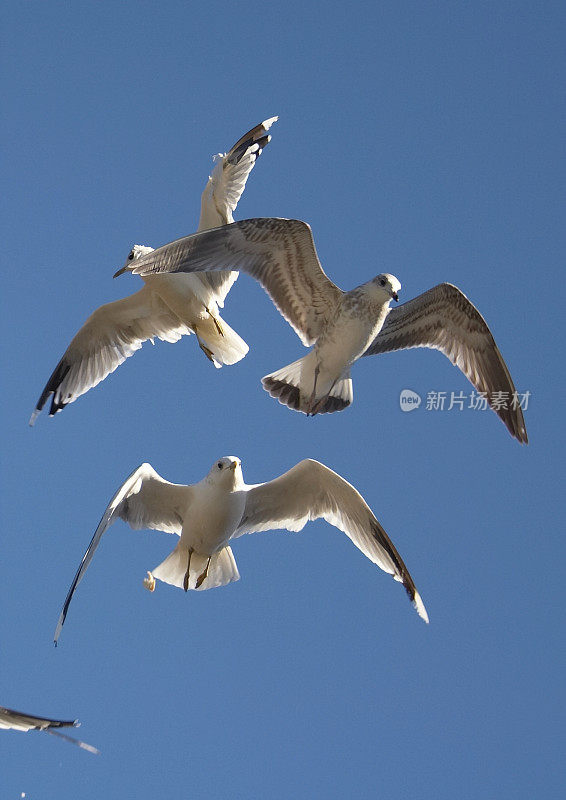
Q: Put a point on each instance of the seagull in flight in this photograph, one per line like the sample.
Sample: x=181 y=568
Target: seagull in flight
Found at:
x=167 y=307
x=209 y=514
x=17 y=721
x=342 y=326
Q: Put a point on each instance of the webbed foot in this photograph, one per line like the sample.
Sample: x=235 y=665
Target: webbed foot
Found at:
x=203 y=576
x=149 y=582
x=216 y=321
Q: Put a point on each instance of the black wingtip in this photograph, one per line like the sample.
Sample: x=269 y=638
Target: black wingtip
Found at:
x=57 y=403
x=512 y=418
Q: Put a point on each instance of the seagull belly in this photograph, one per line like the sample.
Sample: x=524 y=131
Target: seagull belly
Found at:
x=212 y=519
x=185 y=295
x=340 y=348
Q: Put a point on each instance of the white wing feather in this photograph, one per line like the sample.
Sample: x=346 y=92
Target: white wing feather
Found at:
x=310 y=490
x=18 y=721
x=443 y=318
x=116 y=330
x=279 y=253
x=223 y=191
x=145 y=500
x=109 y=336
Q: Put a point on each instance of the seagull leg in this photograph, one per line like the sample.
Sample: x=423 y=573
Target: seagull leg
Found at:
x=219 y=327
x=322 y=401
x=310 y=404
x=208 y=353
x=202 y=577
x=188 y=572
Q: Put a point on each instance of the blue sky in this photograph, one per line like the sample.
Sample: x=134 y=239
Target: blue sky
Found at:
x=425 y=139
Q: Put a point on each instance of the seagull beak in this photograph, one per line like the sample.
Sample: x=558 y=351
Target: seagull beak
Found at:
x=120 y=272
x=233 y=465
x=394 y=295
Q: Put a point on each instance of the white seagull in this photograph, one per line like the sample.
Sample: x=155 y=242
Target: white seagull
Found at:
x=343 y=326
x=18 y=721
x=209 y=514
x=167 y=307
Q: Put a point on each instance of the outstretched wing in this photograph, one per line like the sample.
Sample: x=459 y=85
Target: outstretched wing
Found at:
x=18 y=721
x=310 y=490
x=224 y=189
x=109 y=336
x=228 y=180
x=145 y=500
x=279 y=253
x=444 y=319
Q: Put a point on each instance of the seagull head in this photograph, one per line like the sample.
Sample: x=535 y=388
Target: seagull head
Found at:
x=388 y=285
x=227 y=472
x=137 y=251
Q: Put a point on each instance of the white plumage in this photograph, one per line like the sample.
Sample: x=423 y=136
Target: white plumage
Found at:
x=209 y=514
x=342 y=326
x=168 y=306
x=18 y=721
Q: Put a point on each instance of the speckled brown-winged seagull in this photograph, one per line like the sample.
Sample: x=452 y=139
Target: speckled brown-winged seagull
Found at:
x=343 y=326
x=18 y=721
x=168 y=306
x=209 y=514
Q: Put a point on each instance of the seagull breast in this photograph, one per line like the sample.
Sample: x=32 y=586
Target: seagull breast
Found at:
x=186 y=295
x=355 y=327
x=213 y=517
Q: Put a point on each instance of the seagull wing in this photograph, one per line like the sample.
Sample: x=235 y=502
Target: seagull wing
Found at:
x=444 y=319
x=279 y=253
x=17 y=721
x=223 y=191
x=310 y=490
x=110 y=335
x=145 y=500
x=228 y=180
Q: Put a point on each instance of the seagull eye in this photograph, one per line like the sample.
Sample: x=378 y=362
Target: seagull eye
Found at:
x=131 y=256
x=382 y=281
x=219 y=465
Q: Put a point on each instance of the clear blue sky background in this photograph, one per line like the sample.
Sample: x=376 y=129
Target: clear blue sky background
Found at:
x=424 y=139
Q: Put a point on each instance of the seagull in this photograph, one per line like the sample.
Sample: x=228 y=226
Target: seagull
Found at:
x=342 y=326
x=17 y=721
x=209 y=514
x=167 y=307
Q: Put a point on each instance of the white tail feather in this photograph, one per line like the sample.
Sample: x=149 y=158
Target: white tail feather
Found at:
x=222 y=568
x=226 y=347
x=293 y=387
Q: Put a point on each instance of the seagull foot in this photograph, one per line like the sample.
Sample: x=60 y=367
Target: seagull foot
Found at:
x=217 y=324
x=312 y=406
x=203 y=576
x=317 y=406
x=208 y=353
x=149 y=582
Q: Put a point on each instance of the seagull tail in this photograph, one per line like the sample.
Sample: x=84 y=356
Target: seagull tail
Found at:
x=225 y=345
x=292 y=386
x=222 y=568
